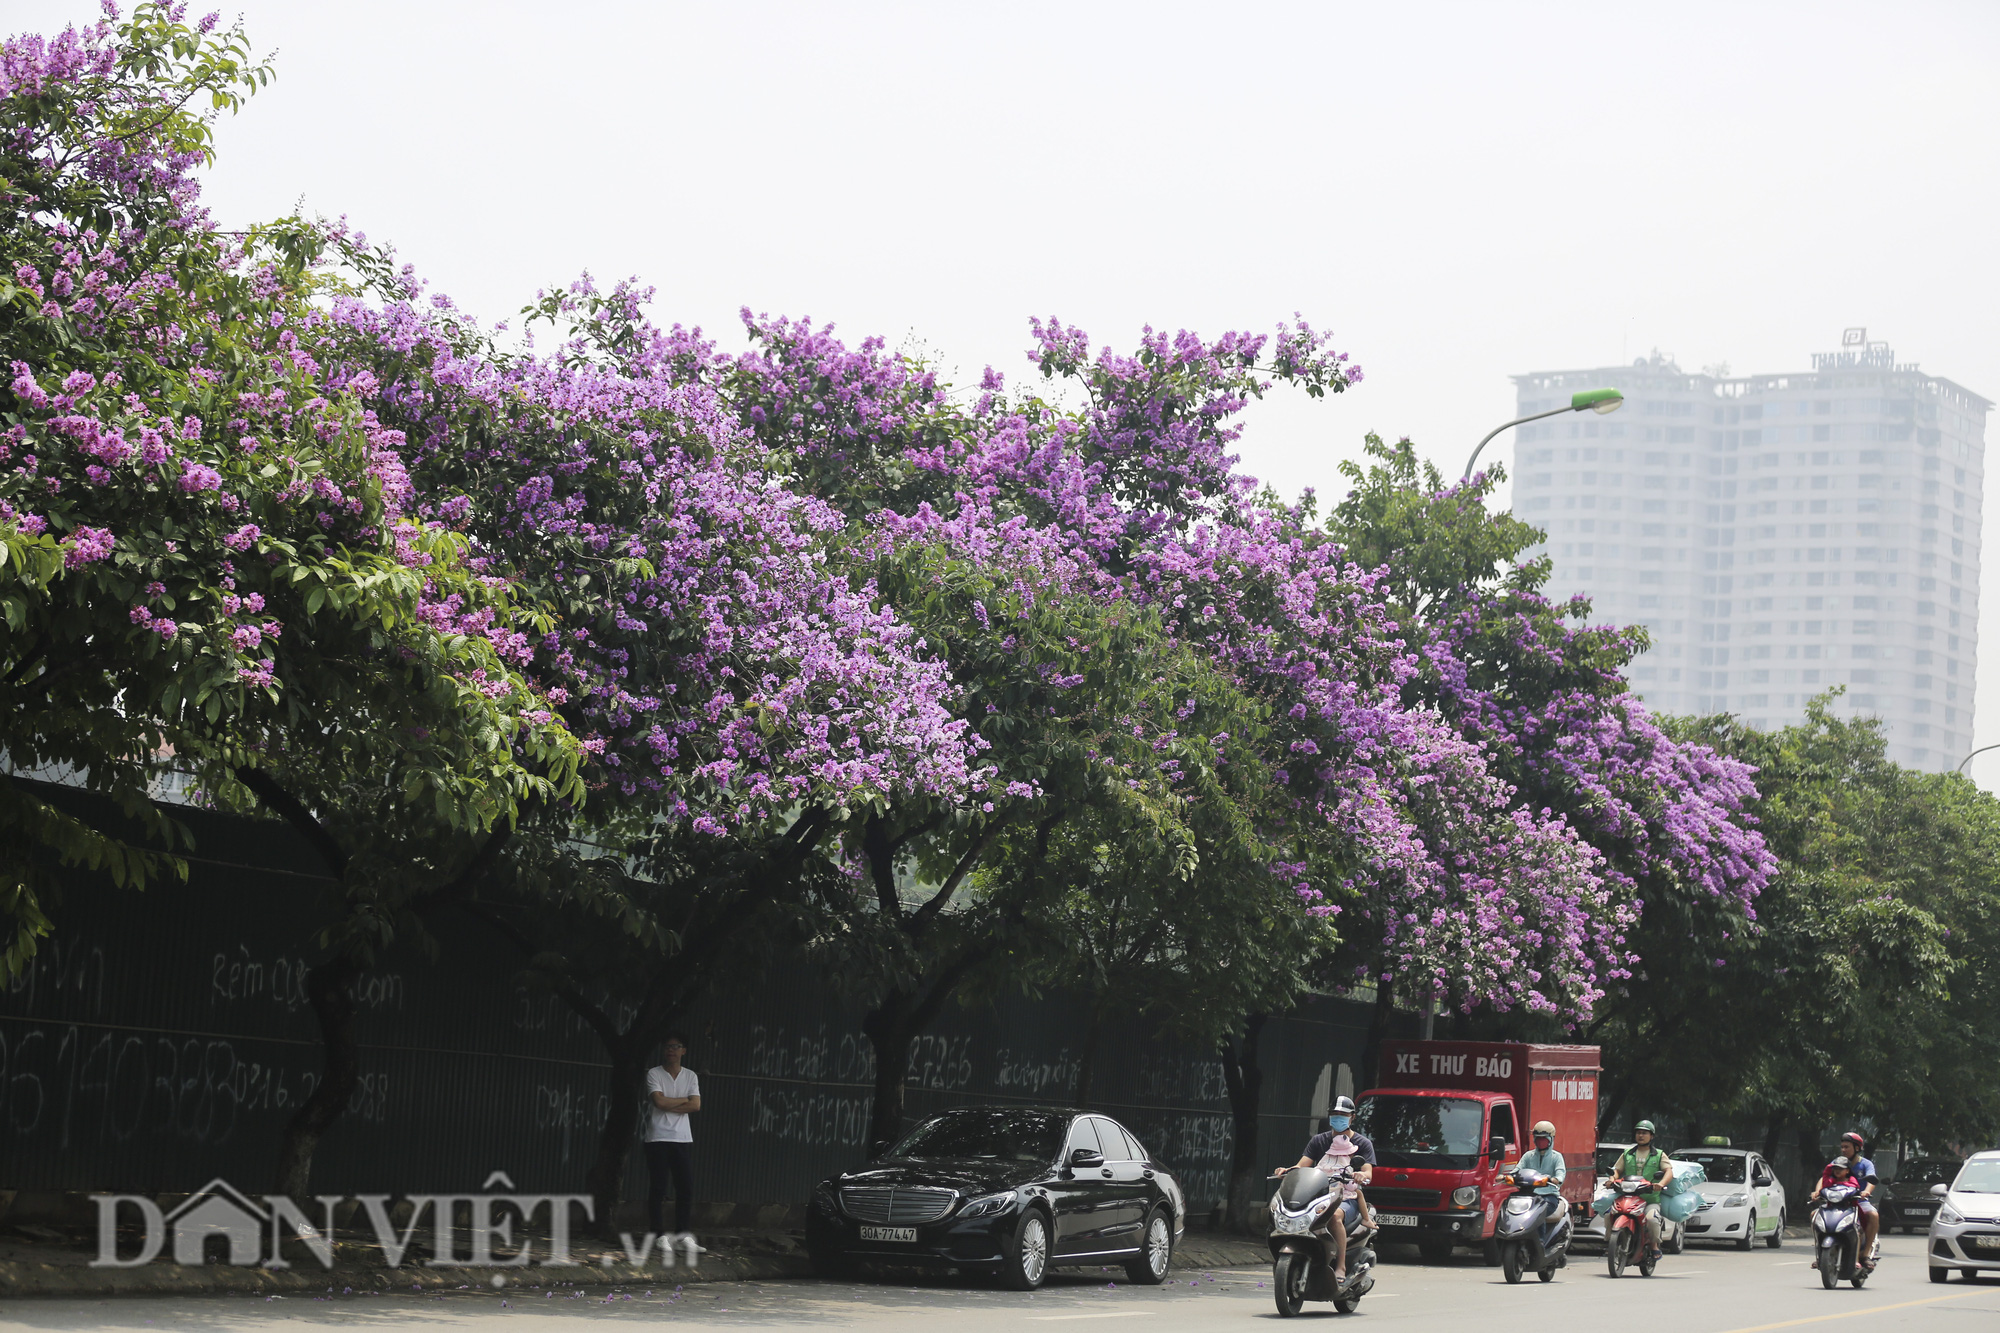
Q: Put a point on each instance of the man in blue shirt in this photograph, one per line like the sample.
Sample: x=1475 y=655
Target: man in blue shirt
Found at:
x=1339 y=1147
x=1863 y=1173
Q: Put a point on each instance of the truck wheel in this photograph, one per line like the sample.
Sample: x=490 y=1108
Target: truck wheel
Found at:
x=1435 y=1250
x=1489 y=1252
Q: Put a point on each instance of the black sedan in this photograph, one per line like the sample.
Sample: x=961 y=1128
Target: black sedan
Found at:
x=1012 y=1190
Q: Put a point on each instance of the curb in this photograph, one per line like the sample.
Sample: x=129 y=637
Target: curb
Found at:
x=19 y=1278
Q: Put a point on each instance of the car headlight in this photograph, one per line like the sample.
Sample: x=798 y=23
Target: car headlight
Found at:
x=1949 y=1215
x=1736 y=1201
x=1465 y=1196
x=989 y=1204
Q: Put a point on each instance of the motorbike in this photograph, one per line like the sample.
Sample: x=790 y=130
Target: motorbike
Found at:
x=1625 y=1229
x=1534 y=1230
x=1303 y=1248
x=1837 y=1236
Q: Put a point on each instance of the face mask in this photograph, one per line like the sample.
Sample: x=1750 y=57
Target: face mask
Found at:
x=1337 y=1123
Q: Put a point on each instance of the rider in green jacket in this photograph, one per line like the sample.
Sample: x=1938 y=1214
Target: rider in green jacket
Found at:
x=1644 y=1160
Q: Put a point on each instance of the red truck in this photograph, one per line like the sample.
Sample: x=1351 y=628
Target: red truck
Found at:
x=1448 y=1117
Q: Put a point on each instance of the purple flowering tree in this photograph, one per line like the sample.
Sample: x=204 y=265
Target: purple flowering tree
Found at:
x=1678 y=857
x=205 y=554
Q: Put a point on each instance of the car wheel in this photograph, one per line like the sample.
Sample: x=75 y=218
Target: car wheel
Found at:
x=1749 y=1233
x=1149 y=1267
x=1777 y=1236
x=1940 y=1275
x=1674 y=1243
x=1026 y=1260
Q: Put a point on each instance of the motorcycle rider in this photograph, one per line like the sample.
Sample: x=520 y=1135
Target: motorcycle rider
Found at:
x=1643 y=1159
x=1340 y=1146
x=1544 y=1158
x=1863 y=1172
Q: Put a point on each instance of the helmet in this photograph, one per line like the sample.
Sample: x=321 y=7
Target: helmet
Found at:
x=1837 y=1164
x=1543 y=1127
x=1854 y=1137
x=1646 y=1125
x=1343 y=1106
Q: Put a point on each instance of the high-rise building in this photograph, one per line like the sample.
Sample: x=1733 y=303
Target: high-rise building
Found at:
x=1776 y=534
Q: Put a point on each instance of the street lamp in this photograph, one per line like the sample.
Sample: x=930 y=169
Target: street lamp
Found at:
x=1981 y=750
x=1599 y=401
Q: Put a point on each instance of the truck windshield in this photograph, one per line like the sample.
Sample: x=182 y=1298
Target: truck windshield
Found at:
x=1438 y=1132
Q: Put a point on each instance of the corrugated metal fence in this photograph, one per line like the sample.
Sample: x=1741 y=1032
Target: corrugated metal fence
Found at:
x=163 y=1038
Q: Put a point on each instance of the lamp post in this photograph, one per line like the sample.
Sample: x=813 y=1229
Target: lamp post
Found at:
x=1981 y=750
x=1599 y=401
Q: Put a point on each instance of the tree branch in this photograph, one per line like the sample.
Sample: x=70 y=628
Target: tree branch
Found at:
x=289 y=808
x=588 y=1010
x=929 y=911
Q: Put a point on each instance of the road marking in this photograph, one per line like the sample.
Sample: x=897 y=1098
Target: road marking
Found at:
x=1850 y=1314
x=1108 y=1314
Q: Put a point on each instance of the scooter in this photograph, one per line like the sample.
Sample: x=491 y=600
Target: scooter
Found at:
x=1837 y=1236
x=1625 y=1229
x=1534 y=1230
x=1303 y=1249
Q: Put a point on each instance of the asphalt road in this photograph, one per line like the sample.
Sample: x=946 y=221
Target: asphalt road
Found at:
x=1701 y=1291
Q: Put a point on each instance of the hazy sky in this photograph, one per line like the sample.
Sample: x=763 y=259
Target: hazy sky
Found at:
x=1458 y=191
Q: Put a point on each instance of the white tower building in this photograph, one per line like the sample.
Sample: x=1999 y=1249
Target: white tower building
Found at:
x=1776 y=534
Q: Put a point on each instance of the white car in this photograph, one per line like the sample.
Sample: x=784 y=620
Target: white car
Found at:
x=1965 y=1234
x=1742 y=1199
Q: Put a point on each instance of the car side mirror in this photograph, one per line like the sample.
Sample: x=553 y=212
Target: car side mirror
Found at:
x=1497 y=1146
x=1085 y=1157
x=1940 y=1189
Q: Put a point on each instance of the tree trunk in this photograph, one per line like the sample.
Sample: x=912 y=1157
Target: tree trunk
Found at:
x=1774 y=1128
x=1086 y=1065
x=1812 y=1157
x=328 y=990
x=1245 y=1083
x=890 y=1034
x=1378 y=1032
x=605 y=1180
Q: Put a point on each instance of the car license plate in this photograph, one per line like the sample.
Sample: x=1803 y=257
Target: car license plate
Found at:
x=1986 y=1242
x=907 y=1235
x=1396 y=1219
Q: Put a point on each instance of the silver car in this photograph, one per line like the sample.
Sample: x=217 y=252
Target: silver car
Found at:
x=1965 y=1234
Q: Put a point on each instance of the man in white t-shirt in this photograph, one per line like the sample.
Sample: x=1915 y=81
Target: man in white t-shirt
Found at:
x=674 y=1094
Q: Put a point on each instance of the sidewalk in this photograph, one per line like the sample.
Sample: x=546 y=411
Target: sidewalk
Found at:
x=40 y=1260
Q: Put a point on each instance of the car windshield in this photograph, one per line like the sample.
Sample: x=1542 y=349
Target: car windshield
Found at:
x=1421 y=1131
x=1927 y=1171
x=1981 y=1177
x=1722 y=1168
x=1013 y=1136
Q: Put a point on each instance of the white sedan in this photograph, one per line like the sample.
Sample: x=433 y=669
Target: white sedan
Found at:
x=1742 y=1199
